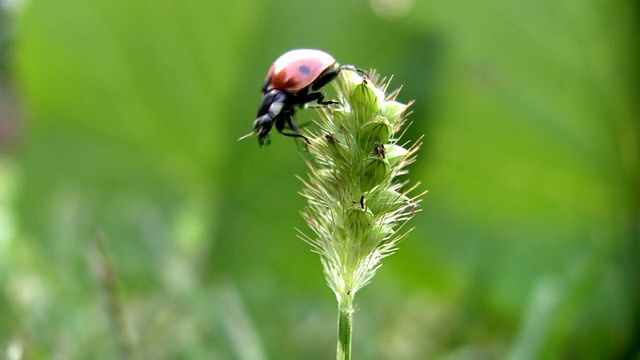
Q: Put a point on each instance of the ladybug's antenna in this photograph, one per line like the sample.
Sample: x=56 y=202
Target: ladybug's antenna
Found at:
x=246 y=136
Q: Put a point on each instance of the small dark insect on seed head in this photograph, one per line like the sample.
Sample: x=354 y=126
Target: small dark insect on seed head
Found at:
x=362 y=201
x=379 y=150
x=331 y=137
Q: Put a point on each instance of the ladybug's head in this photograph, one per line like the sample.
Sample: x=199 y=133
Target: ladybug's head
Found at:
x=273 y=106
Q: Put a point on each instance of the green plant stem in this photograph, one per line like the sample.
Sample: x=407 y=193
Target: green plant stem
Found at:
x=345 y=328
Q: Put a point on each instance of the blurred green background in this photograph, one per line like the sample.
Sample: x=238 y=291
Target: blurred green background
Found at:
x=134 y=225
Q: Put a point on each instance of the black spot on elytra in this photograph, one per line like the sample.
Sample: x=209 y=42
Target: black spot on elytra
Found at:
x=304 y=69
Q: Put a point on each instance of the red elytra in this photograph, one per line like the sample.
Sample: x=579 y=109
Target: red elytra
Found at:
x=298 y=69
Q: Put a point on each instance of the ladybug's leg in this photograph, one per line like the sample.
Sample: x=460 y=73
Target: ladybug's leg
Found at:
x=327 y=77
x=287 y=119
x=324 y=79
x=318 y=97
x=354 y=69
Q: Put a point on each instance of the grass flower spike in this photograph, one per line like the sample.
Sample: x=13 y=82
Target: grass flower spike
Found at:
x=357 y=207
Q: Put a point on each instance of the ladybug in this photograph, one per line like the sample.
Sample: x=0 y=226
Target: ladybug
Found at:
x=293 y=81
